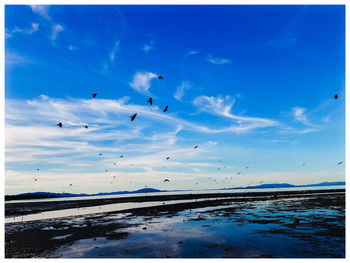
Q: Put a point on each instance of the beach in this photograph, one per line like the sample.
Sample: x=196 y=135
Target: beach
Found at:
x=301 y=224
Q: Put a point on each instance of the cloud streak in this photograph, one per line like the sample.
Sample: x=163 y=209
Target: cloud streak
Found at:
x=218 y=60
x=222 y=107
x=25 y=31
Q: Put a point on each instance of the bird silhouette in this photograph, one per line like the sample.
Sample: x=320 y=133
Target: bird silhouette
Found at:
x=37 y=169
x=168 y=158
x=106 y=171
x=133 y=117
x=336 y=96
x=339 y=163
x=100 y=154
x=35 y=180
x=166 y=180
x=94 y=95
x=86 y=126
x=59 y=124
x=195 y=147
x=239 y=173
x=121 y=156
x=166 y=108
x=70 y=184
x=150 y=101
x=160 y=77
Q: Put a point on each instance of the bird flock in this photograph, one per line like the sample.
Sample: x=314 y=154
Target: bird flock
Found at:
x=132 y=118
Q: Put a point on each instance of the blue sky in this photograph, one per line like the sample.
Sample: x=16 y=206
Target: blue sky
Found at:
x=252 y=86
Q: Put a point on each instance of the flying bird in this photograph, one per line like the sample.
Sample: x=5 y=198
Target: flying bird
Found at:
x=166 y=180
x=168 y=158
x=37 y=169
x=150 y=101
x=121 y=156
x=94 y=95
x=35 y=180
x=239 y=173
x=195 y=147
x=59 y=124
x=339 y=163
x=133 y=117
x=100 y=154
x=336 y=96
x=86 y=126
x=160 y=77
x=166 y=108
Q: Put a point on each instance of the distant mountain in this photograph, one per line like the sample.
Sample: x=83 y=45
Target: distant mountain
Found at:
x=323 y=184
x=40 y=195
x=288 y=185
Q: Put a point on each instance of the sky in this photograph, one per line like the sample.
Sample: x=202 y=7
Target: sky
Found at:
x=252 y=86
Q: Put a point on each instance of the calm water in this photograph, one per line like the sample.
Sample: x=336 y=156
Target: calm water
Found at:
x=254 y=229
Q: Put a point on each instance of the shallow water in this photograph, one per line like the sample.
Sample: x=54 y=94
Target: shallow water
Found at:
x=93 y=209
x=239 y=230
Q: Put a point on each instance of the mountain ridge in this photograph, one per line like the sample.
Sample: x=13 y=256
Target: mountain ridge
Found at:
x=41 y=195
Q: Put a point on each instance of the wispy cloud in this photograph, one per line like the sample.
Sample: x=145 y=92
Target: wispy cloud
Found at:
x=55 y=30
x=288 y=36
x=191 y=53
x=218 y=60
x=12 y=59
x=180 y=91
x=222 y=107
x=26 y=31
x=114 y=51
x=42 y=10
x=148 y=46
x=142 y=82
x=72 y=48
x=299 y=115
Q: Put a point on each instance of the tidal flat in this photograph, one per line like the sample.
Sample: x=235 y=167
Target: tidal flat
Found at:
x=296 y=224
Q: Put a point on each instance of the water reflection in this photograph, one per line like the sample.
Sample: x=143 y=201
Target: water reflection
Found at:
x=255 y=229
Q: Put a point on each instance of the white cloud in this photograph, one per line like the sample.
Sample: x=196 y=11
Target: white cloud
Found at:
x=55 y=30
x=114 y=51
x=191 y=52
x=42 y=10
x=299 y=115
x=71 y=47
x=26 y=31
x=148 y=46
x=12 y=59
x=222 y=107
x=218 y=60
x=180 y=91
x=142 y=82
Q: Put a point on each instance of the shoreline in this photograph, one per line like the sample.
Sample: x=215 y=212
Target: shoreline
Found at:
x=25 y=208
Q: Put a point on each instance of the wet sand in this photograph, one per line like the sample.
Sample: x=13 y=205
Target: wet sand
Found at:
x=275 y=224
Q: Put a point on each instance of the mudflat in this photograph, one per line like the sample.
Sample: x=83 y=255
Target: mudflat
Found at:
x=302 y=224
